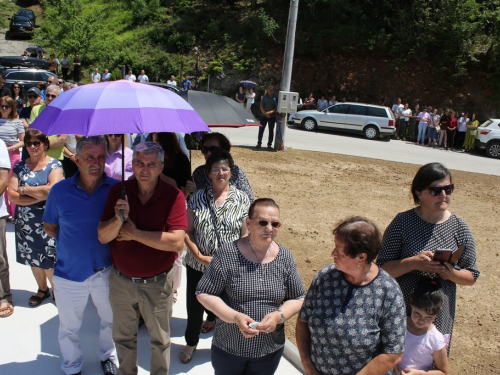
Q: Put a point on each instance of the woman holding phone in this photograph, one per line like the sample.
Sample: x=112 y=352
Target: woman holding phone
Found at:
x=413 y=236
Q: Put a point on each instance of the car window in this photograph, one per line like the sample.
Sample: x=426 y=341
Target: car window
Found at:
x=16 y=75
x=339 y=108
x=357 y=110
x=377 y=112
x=40 y=76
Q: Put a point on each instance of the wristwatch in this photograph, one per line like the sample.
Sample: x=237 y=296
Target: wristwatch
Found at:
x=282 y=320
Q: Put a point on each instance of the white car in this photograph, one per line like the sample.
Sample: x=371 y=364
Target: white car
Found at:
x=372 y=121
x=488 y=138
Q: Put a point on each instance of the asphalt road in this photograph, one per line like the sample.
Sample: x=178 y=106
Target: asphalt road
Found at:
x=356 y=145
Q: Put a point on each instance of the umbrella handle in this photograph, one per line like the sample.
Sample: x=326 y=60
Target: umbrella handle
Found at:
x=120 y=212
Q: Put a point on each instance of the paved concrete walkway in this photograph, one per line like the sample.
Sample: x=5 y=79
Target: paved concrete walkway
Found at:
x=28 y=338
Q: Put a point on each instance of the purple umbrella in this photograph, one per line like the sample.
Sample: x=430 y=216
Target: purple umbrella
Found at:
x=247 y=84
x=118 y=107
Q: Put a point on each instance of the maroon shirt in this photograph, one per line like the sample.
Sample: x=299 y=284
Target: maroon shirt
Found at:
x=164 y=211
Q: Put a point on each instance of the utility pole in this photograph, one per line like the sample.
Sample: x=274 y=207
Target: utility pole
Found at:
x=286 y=78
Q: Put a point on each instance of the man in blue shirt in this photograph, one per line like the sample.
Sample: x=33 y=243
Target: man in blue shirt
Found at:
x=72 y=213
x=186 y=83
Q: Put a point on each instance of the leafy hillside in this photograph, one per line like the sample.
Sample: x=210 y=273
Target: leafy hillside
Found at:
x=453 y=43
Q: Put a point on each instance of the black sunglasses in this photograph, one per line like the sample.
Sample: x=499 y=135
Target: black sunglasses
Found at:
x=34 y=143
x=5 y=106
x=50 y=96
x=60 y=82
x=32 y=96
x=274 y=224
x=436 y=190
x=211 y=149
x=15 y=87
x=114 y=135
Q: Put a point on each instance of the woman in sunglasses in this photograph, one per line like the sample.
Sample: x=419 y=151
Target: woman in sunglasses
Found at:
x=29 y=187
x=215 y=217
x=18 y=95
x=114 y=156
x=210 y=143
x=413 y=236
x=12 y=133
x=253 y=287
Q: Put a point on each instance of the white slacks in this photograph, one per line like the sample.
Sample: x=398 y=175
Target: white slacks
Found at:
x=71 y=299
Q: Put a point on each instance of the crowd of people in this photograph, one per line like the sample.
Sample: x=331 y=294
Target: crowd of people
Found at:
x=438 y=127
x=384 y=305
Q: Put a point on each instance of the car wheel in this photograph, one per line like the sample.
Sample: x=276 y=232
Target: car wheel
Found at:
x=309 y=124
x=370 y=132
x=493 y=150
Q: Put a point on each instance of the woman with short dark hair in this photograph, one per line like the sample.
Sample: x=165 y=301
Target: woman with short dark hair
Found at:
x=413 y=236
x=353 y=318
x=215 y=217
x=210 y=143
x=253 y=287
x=29 y=187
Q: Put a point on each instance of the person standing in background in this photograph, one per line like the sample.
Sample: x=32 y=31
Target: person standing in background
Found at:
x=172 y=80
x=77 y=66
x=250 y=96
x=65 y=67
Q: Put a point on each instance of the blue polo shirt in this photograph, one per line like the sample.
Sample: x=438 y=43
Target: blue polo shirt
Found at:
x=77 y=214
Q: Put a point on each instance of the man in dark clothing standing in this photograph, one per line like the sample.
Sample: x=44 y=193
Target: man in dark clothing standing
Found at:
x=77 y=65
x=268 y=109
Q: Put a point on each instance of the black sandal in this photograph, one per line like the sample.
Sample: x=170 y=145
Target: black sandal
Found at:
x=35 y=301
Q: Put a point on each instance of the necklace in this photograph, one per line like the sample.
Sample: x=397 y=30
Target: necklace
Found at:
x=263 y=265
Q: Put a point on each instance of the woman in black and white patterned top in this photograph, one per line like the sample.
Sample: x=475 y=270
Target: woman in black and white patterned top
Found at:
x=353 y=319
x=253 y=287
x=215 y=216
x=413 y=236
x=210 y=143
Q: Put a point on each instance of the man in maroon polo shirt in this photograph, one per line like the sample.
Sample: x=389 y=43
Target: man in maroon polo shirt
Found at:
x=143 y=251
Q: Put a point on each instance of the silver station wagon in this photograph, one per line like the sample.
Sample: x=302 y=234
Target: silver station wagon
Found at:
x=372 y=121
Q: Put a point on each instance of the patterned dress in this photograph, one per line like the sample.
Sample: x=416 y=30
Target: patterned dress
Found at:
x=408 y=235
x=34 y=247
x=227 y=219
x=249 y=288
x=238 y=179
x=352 y=324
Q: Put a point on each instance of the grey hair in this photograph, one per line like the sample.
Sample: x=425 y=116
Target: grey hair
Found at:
x=54 y=88
x=67 y=86
x=96 y=140
x=148 y=148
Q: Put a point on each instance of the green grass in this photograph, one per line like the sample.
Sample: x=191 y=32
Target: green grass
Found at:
x=7 y=10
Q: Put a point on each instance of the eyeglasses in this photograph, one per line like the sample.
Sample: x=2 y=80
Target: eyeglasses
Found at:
x=221 y=170
x=32 y=96
x=114 y=135
x=50 y=96
x=34 y=143
x=5 y=106
x=264 y=223
x=15 y=87
x=436 y=190
x=211 y=149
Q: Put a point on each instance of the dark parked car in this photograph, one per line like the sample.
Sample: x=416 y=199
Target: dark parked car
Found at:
x=20 y=26
x=27 y=77
x=27 y=13
x=23 y=61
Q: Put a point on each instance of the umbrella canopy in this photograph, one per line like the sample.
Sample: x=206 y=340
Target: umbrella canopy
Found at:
x=35 y=48
x=118 y=107
x=247 y=84
x=218 y=110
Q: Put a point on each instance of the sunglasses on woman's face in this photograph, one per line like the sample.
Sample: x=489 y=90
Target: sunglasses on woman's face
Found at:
x=264 y=223
x=211 y=149
x=5 y=106
x=34 y=143
x=436 y=190
x=15 y=87
x=114 y=135
x=32 y=96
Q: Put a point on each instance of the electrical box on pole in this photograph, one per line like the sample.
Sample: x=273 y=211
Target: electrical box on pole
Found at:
x=288 y=101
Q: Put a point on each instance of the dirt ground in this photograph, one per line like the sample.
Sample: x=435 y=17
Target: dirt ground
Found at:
x=315 y=190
